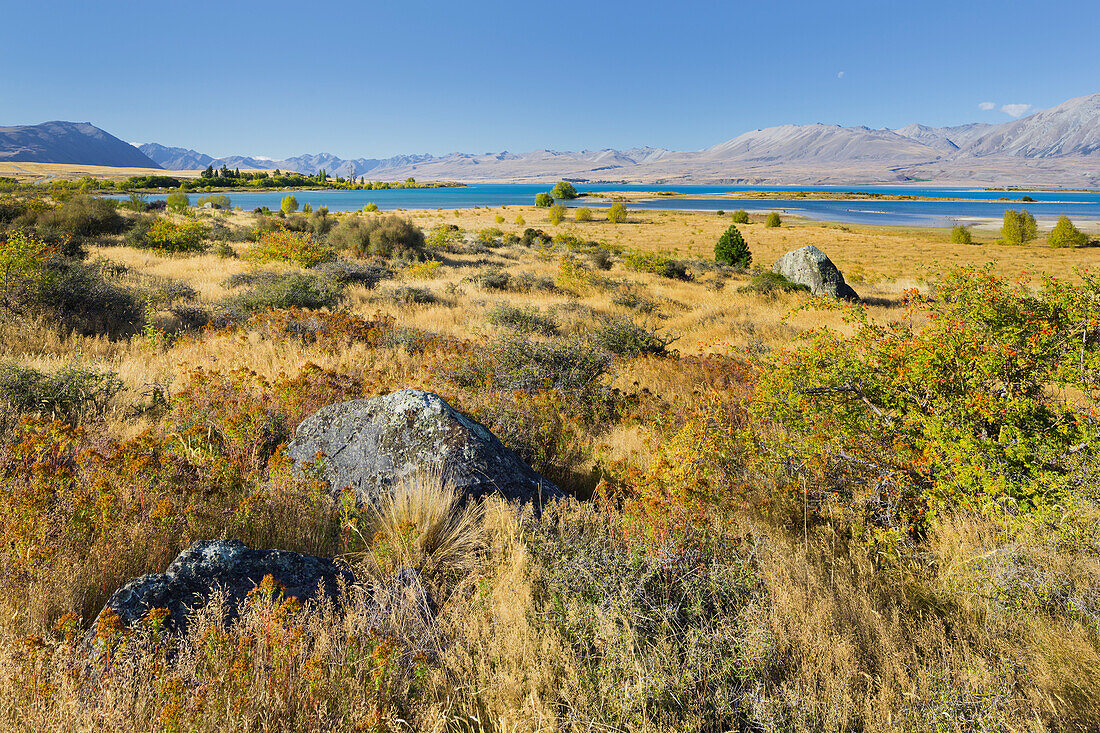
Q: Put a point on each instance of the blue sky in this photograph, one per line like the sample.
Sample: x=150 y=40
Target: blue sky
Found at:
x=375 y=79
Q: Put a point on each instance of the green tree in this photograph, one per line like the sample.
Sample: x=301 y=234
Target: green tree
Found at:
x=583 y=214
x=1019 y=227
x=773 y=220
x=617 y=213
x=544 y=200
x=740 y=217
x=1065 y=234
x=557 y=213
x=960 y=235
x=289 y=204
x=177 y=201
x=370 y=208
x=564 y=190
x=731 y=249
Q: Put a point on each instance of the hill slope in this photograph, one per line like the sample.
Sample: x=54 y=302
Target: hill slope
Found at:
x=1071 y=128
x=69 y=142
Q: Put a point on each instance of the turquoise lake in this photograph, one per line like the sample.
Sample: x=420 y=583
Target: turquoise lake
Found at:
x=1075 y=204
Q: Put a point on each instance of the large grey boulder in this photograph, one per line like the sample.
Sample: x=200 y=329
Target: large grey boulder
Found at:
x=368 y=445
x=810 y=266
x=229 y=565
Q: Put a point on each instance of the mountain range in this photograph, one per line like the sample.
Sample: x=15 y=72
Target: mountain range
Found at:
x=1059 y=146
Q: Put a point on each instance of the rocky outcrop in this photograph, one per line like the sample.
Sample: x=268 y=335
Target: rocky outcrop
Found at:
x=191 y=579
x=367 y=445
x=810 y=266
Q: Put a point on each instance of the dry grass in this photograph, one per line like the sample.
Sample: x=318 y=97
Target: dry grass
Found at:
x=45 y=172
x=583 y=618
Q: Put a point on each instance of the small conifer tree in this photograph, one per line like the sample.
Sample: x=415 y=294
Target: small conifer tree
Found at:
x=732 y=249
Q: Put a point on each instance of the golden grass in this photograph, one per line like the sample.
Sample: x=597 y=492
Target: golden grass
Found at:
x=46 y=172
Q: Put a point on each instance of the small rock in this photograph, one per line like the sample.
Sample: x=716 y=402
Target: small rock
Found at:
x=369 y=444
x=810 y=266
x=190 y=581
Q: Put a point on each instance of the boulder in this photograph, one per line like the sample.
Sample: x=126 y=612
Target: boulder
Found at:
x=369 y=444
x=810 y=266
x=190 y=581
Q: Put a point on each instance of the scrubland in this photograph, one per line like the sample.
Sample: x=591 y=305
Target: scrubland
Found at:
x=786 y=514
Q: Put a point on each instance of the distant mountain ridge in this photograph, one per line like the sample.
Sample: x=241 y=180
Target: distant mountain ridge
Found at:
x=1059 y=146
x=79 y=143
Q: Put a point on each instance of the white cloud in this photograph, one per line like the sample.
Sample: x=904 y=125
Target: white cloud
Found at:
x=840 y=75
x=986 y=106
x=1015 y=110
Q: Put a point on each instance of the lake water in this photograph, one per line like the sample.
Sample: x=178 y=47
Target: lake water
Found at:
x=1048 y=204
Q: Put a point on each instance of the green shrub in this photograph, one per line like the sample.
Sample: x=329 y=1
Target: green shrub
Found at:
x=81 y=216
x=288 y=290
x=732 y=250
x=522 y=320
x=740 y=217
x=289 y=204
x=617 y=213
x=352 y=273
x=773 y=220
x=544 y=200
x=385 y=236
x=563 y=190
x=177 y=201
x=89 y=298
x=409 y=295
x=165 y=235
x=1065 y=234
x=1019 y=227
x=72 y=394
x=623 y=337
x=583 y=214
x=769 y=283
x=557 y=213
x=296 y=248
x=961 y=235
x=370 y=208
x=656 y=263
x=216 y=201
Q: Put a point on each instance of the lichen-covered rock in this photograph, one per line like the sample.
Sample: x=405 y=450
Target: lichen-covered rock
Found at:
x=369 y=444
x=810 y=266
x=191 y=579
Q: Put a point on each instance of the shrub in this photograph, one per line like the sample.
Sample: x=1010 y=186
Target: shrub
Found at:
x=522 y=320
x=82 y=216
x=533 y=237
x=623 y=337
x=88 y=298
x=656 y=263
x=177 y=201
x=216 y=201
x=740 y=217
x=773 y=220
x=352 y=273
x=617 y=213
x=289 y=204
x=1065 y=234
x=1019 y=227
x=385 y=236
x=557 y=214
x=601 y=258
x=445 y=238
x=370 y=208
x=583 y=214
x=295 y=248
x=514 y=362
x=72 y=394
x=961 y=235
x=520 y=221
x=544 y=200
x=769 y=283
x=499 y=219
x=637 y=301
x=408 y=295
x=288 y=290
x=563 y=190
x=732 y=250
x=165 y=235
x=427 y=270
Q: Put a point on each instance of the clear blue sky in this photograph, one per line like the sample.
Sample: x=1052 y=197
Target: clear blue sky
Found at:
x=362 y=78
